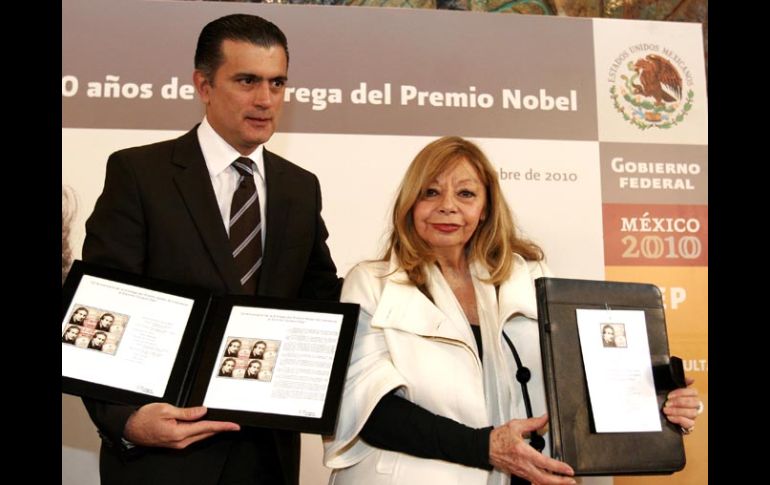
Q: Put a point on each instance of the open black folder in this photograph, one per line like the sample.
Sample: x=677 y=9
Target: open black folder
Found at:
x=573 y=431
x=264 y=362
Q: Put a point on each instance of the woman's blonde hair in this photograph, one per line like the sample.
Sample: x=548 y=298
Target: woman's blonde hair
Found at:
x=495 y=240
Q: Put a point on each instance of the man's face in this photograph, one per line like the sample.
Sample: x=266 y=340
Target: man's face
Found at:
x=245 y=97
x=227 y=367
x=79 y=315
x=72 y=333
x=234 y=347
x=259 y=349
x=254 y=368
x=106 y=321
x=98 y=340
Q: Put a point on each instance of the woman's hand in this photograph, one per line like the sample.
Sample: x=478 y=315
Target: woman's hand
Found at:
x=509 y=452
x=683 y=406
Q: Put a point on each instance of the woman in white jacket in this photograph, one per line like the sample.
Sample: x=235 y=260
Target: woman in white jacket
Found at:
x=431 y=395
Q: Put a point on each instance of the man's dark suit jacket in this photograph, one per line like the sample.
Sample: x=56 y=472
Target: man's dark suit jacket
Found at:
x=158 y=216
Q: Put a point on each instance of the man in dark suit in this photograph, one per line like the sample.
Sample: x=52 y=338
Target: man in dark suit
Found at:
x=166 y=212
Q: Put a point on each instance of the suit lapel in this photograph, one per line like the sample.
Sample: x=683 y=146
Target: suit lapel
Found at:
x=277 y=210
x=194 y=185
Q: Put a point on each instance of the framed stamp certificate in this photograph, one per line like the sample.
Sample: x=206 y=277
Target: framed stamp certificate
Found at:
x=607 y=371
x=273 y=363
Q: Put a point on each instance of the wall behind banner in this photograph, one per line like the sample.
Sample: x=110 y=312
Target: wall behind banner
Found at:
x=610 y=180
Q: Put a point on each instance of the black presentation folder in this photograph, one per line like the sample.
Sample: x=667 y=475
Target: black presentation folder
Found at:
x=268 y=362
x=573 y=436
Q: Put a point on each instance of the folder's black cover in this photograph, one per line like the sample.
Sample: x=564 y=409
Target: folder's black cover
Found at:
x=196 y=355
x=573 y=438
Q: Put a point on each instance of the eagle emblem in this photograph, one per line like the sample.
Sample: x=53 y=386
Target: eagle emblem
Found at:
x=649 y=93
x=659 y=79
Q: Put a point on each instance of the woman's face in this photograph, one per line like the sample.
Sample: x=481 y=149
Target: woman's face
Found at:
x=608 y=333
x=449 y=209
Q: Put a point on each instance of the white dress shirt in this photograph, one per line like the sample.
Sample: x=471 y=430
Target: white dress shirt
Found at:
x=219 y=156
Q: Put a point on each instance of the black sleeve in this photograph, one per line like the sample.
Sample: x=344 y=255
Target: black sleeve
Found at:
x=116 y=232
x=400 y=425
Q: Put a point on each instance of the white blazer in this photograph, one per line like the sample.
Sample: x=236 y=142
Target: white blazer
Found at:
x=427 y=351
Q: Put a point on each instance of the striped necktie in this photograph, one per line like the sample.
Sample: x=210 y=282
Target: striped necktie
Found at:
x=246 y=227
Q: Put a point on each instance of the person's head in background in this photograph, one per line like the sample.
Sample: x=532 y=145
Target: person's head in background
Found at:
x=67 y=214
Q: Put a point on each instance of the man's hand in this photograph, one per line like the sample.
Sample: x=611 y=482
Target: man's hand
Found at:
x=166 y=426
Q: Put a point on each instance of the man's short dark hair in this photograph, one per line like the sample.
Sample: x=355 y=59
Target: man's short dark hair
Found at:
x=237 y=27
